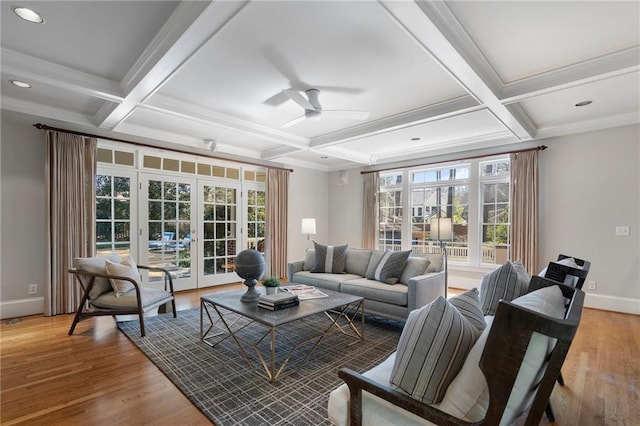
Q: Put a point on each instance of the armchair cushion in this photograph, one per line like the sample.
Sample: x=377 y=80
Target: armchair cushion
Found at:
x=95 y=265
x=387 y=266
x=432 y=348
x=127 y=268
x=150 y=298
x=330 y=259
x=507 y=282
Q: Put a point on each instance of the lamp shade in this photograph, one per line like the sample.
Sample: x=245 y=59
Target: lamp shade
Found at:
x=441 y=229
x=309 y=225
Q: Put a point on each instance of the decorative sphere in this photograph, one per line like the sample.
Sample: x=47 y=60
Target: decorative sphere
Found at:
x=250 y=264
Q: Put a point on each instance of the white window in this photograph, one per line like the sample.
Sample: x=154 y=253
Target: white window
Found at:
x=473 y=194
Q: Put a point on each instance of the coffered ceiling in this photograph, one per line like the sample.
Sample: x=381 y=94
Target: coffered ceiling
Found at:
x=434 y=77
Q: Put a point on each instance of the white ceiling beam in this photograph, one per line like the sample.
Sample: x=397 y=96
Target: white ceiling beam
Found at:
x=422 y=115
x=31 y=108
x=186 y=31
x=34 y=70
x=424 y=22
x=608 y=66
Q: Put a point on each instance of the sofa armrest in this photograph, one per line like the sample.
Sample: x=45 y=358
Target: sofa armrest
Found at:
x=424 y=289
x=293 y=267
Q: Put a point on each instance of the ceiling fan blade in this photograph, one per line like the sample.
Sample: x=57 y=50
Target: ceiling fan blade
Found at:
x=351 y=115
x=293 y=122
x=297 y=97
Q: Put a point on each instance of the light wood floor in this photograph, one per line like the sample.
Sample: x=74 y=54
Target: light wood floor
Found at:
x=97 y=376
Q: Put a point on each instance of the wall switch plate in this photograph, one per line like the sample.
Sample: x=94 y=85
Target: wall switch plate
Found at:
x=622 y=231
x=592 y=285
x=33 y=288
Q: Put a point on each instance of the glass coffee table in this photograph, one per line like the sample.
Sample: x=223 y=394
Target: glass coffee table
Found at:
x=225 y=311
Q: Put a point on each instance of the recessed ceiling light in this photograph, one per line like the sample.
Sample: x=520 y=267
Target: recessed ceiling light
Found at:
x=21 y=84
x=415 y=139
x=28 y=15
x=584 y=103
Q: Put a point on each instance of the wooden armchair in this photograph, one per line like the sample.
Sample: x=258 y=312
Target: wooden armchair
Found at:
x=504 y=351
x=98 y=302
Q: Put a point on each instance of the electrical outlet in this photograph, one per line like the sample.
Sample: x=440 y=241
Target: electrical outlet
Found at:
x=33 y=288
x=592 y=285
x=622 y=231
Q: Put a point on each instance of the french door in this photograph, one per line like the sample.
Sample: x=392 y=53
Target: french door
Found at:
x=219 y=225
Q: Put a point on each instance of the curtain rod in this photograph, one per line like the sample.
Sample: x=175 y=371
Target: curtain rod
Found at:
x=41 y=126
x=472 y=157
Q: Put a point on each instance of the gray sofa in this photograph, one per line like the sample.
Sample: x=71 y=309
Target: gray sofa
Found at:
x=421 y=282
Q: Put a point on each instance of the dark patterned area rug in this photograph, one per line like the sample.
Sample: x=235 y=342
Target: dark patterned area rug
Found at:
x=221 y=384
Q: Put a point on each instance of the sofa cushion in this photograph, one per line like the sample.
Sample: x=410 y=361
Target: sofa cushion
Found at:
x=357 y=261
x=97 y=266
x=328 y=281
x=128 y=269
x=415 y=266
x=468 y=303
x=309 y=260
x=388 y=267
x=507 y=282
x=330 y=259
x=436 y=262
x=468 y=394
x=432 y=348
x=395 y=294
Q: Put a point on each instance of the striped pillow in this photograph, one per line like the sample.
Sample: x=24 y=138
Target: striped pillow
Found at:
x=468 y=303
x=434 y=343
x=330 y=259
x=507 y=282
x=387 y=266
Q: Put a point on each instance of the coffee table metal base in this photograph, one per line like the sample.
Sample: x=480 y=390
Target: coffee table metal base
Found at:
x=341 y=319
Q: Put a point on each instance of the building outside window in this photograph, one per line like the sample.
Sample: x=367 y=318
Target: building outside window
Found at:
x=474 y=194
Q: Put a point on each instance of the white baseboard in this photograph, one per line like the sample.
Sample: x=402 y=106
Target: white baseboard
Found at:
x=612 y=303
x=21 y=307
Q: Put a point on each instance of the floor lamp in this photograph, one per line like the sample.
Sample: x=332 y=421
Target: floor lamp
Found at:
x=441 y=231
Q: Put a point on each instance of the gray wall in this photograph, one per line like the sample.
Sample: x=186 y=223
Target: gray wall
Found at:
x=589 y=184
x=23 y=214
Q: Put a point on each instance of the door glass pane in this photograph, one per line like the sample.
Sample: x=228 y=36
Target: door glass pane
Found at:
x=169 y=223
x=255 y=219
x=220 y=224
x=113 y=213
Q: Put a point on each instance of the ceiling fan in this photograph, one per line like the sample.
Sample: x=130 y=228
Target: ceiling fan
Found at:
x=313 y=110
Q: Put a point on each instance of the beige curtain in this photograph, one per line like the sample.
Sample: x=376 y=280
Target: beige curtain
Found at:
x=70 y=175
x=370 y=211
x=277 y=201
x=524 y=209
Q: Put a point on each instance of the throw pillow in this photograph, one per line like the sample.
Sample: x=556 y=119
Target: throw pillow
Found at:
x=96 y=265
x=416 y=265
x=330 y=259
x=389 y=268
x=432 y=348
x=309 y=260
x=468 y=303
x=127 y=268
x=436 y=262
x=507 y=282
x=468 y=394
x=357 y=261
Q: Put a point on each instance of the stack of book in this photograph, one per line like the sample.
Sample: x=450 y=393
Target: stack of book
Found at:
x=277 y=301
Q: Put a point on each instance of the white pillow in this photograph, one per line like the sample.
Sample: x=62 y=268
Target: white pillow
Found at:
x=127 y=268
x=468 y=394
x=96 y=265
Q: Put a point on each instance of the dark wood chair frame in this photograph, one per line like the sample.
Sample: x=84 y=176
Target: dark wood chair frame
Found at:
x=500 y=362
x=81 y=313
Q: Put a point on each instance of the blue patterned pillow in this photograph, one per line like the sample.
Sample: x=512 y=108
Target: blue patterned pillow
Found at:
x=330 y=259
